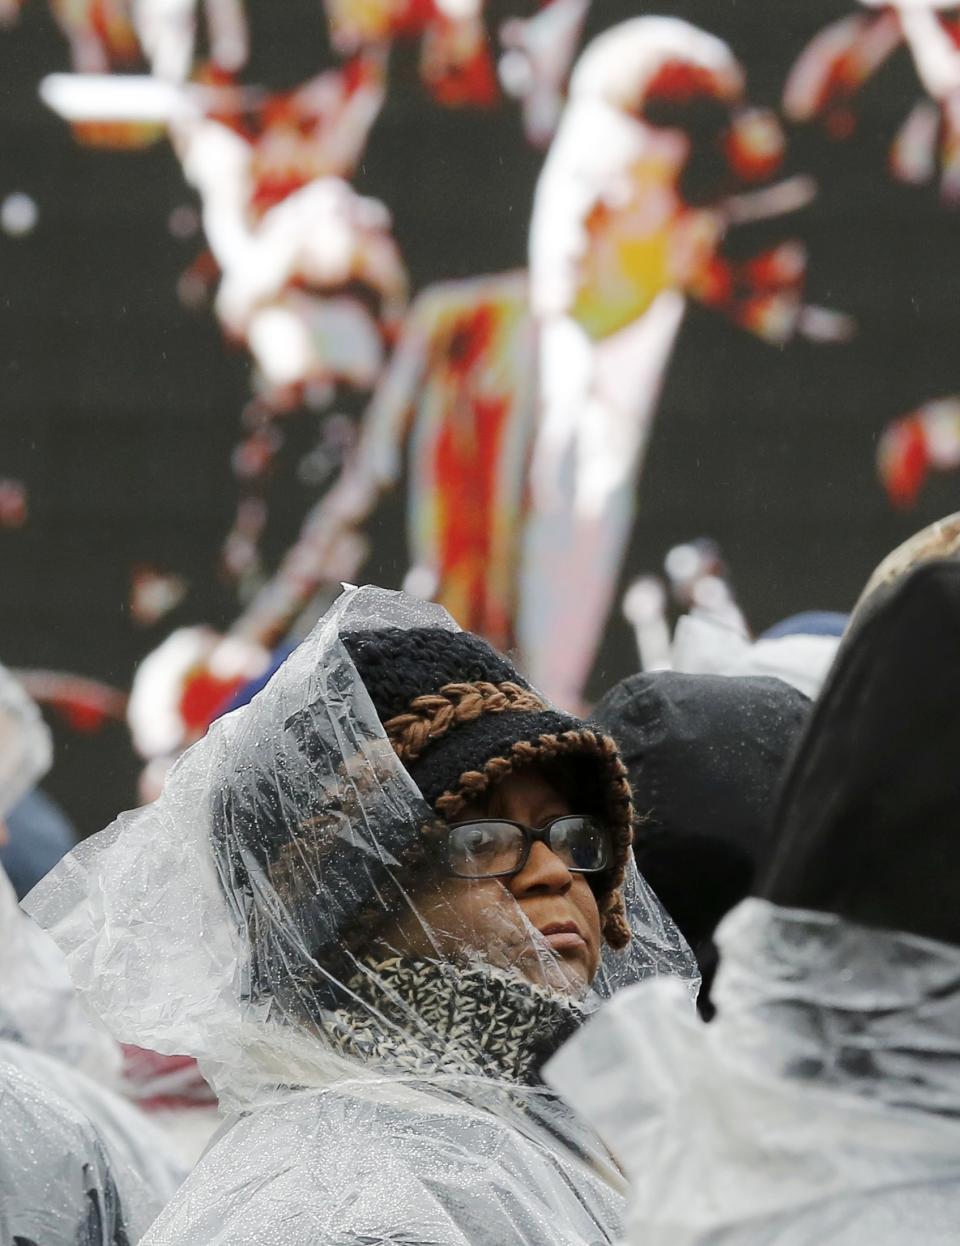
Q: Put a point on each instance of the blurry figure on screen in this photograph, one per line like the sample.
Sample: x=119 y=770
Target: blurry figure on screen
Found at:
x=457 y=48
x=658 y=151
x=312 y=283
x=538 y=54
x=455 y=411
x=492 y=373
x=826 y=89
x=456 y=65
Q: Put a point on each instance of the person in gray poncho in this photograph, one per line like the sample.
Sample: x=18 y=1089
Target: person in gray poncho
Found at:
x=821 y=1107
x=79 y=1165
x=78 y=1161
x=372 y=903
x=59 y=1185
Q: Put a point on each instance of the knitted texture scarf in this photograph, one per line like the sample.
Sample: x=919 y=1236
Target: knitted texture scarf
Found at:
x=428 y=1017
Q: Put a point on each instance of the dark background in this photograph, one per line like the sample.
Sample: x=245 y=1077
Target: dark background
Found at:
x=119 y=407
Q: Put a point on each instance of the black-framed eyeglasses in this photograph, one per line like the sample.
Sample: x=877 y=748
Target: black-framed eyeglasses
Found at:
x=499 y=848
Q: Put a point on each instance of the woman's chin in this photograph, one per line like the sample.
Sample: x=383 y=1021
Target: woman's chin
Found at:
x=567 y=974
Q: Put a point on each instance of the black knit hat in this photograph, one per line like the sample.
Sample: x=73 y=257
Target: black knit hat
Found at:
x=867 y=826
x=460 y=718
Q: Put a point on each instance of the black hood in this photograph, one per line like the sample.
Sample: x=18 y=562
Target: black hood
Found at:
x=868 y=825
x=704 y=754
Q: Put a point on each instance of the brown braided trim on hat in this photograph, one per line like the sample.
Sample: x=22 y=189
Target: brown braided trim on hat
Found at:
x=433 y=714
x=524 y=753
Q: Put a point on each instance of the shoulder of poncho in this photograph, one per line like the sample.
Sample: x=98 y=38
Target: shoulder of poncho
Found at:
x=41 y=1112
x=310 y=1158
x=323 y=1117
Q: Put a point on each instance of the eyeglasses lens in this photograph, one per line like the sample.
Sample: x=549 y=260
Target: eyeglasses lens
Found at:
x=479 y=849
x=581 y=843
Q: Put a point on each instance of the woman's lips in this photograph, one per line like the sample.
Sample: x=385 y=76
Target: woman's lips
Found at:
x=563 y=942
x=563 y=936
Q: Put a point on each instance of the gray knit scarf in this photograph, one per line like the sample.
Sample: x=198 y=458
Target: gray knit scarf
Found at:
x=434 y=1017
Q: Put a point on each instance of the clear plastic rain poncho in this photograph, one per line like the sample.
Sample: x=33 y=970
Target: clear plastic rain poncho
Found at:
x=26 y=746
x=79 y=1166
x=59 y=1186
x=68 y=1142
x=820 y=1108
x=374 y=1034
x=47 y=1037
x=38 y=1005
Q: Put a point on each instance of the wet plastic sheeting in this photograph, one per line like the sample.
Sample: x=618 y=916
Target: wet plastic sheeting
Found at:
x=45 y=1032
x=26 y=746
x=58 y=1187
x=38 y=1004
x=820 y=1108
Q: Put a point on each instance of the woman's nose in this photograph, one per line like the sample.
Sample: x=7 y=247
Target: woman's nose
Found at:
x=544 y=871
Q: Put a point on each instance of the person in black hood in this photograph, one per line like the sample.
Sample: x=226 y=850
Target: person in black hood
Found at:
x=704 y=754
x=825 y=1096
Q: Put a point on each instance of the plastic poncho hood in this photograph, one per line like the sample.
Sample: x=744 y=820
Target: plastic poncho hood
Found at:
x=220 y=923
x=190 y=929
x=38 y=1004
x=26 y=745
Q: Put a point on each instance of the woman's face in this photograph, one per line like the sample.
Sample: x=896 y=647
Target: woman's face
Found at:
x=450 y=916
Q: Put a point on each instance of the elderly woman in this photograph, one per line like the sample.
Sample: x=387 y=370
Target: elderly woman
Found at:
x=372 y=903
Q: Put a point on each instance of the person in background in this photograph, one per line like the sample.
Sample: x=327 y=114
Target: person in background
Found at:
x=79 y=1166
x=824 y=1098
x=33 y=833
x=704 y=754
x=38 y=834
x=798 y=650
x=57 y=1185
x=38 y=1005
